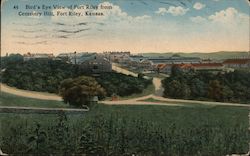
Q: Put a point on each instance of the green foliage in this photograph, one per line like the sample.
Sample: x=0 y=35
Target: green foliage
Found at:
x=177 y=89
x=38 y=75
x=128 y=130
x=46 y=76
x=224 y=87
x=122 y=85
x=215 y=90
x=80 y=91
x=11 y=59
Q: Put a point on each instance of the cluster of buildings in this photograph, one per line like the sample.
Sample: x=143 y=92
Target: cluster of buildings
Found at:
x=225 y=65
x=33 y=56
x=102 y=62
x=89 y=62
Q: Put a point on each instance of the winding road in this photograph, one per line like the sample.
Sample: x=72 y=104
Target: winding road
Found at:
x=135 y=101
x=29 y=94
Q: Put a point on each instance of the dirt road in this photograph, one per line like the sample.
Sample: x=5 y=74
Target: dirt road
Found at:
x=169 y=102
x=156 y=81
x=134 y=101
x=122 y=70
x=29 y=94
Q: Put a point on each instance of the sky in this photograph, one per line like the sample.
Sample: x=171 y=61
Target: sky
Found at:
x=137 y=26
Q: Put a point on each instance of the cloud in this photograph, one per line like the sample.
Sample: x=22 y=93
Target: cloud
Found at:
x=114 y=14
x=229 y=16
x=144 y=17
x=199 y=6
x=175 y=11
x=198 y=19
x=80 y=26
x=161 y=11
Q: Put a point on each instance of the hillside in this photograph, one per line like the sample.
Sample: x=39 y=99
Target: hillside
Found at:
x=213 y=55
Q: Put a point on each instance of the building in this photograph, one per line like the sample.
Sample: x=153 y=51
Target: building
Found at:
x=237 y=63
x=117 y=57
x=96 y=64
x=208 y=66
x=174 y=60
x=137 y=58
x=76 y=58
x=146 y=65
x=186 y=67
x=30 y=56
x=163 y=68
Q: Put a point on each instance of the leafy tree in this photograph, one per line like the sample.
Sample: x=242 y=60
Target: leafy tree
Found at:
x=175 y=71
x=240 y=91
x=80 y=91
x=198 y=88
x=215 y=90
x=233 y=86
x=227 y=93
x=11 y=59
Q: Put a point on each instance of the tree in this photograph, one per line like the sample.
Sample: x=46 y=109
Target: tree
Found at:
x=176 y=71
x=198 y=88
x=176 y=89
x=227 y=93
x=80 y=91
x=11 y=59
x=215 y=90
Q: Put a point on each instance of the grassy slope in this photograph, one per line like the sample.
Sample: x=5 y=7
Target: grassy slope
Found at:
x=12 y=100
x=215 y=55
x=218 y=118
x=160 y=115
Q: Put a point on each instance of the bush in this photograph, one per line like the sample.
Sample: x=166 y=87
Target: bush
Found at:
x=80 y=91
x=224 y=87
x=46 y=76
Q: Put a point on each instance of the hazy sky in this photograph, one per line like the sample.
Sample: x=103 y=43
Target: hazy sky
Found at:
x=131 y=25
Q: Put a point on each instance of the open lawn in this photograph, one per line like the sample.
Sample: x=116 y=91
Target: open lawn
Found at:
x=13 y=100
x=119 y=130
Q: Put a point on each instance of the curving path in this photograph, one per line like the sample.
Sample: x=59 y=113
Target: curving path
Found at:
x=135 y=101
x=156 y=81
x=169 y=102
x=29 y=94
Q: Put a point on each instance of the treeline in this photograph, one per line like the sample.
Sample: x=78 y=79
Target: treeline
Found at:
x=38 y=75
x=119 y=136
x=223 y=87
x=122 y=85
x=11 y=59
x=46 y=75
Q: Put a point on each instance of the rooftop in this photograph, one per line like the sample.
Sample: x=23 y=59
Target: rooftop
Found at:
x=237 y=61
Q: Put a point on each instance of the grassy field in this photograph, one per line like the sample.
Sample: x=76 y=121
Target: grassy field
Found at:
x=12 y=100
x=125 y=130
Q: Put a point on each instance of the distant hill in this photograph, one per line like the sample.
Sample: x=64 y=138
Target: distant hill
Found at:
x=214 y=55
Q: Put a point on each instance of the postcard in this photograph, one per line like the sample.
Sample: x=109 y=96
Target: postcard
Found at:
x=125 y=77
